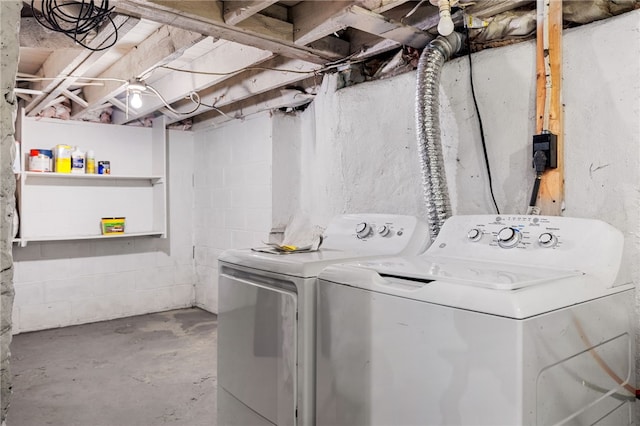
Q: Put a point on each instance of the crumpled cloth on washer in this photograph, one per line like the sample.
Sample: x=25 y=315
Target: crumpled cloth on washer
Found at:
x=300 y=236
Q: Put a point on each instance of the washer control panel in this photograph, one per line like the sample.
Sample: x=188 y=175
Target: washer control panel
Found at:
x=509 y=232
x=552 y=241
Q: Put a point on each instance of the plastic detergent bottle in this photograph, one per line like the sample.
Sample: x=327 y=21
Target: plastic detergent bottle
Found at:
x=77 y=161
x=91 y=162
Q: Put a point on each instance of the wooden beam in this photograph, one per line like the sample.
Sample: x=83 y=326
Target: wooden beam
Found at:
x=194 y=16
x=262 y=24
x=163 y=46
x=313 y=20
x=239 y=10
x=267 y=101
x=374 y=23
x=486 y=9
x=227 y=57
x=66 y=63
x=250 y=83
x=551 y=196
x=32 y=34
x=73 y=96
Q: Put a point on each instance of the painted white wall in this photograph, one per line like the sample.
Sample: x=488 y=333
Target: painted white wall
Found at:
x=73 y=282
x=286 y=158
x=232 y=198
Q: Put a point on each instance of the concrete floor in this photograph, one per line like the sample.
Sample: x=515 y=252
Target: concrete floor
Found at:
x=156 y=369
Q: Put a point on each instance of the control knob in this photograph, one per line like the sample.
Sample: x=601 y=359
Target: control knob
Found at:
x=383 y=230
x=509 y=237
x=547 y=240
x=363 y=230
x=474 y=234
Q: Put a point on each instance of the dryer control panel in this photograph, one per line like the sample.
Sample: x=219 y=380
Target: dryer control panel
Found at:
x=377 y=233
x=546 y=241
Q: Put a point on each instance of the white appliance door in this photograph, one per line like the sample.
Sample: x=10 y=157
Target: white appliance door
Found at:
x=257 y=343
x=383 y=360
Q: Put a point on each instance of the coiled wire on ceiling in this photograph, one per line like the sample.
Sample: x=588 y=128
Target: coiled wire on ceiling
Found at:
x=76 y=19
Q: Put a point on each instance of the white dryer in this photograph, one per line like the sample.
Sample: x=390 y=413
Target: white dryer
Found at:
x=266 y=319
x=510 y=320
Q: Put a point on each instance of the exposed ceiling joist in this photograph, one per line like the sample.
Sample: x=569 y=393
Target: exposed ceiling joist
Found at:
x=228 y=57
x=239 y=10
x=62 y=64
x=486 y=9
x=273 y=99
x=206 y=18
x=163 y=46
x=32 y=34
x=253 y=82
x=316 y=20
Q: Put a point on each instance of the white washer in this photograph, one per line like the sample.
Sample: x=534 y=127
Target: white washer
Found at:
x=266 y=319
x=512 y=320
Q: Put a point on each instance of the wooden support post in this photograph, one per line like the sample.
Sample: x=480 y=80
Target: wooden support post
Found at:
x=551 y=196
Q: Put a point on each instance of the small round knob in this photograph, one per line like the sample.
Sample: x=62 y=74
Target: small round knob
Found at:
x=363 y=230
x=547 y=239
x=474 y=234
x=383 y=230
x=508 y=237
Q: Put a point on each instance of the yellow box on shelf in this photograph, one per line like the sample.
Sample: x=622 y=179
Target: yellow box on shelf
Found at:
x=112 y=225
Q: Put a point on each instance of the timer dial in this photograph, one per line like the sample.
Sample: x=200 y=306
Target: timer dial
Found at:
x=363 y=230
x=509 y=237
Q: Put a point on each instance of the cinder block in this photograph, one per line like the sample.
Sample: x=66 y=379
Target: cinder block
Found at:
x=258 y=196
x=54 y=269
x=234 y=176
x=183 y=275
x=69 y=289
x=235 y=219
x=41 y=317
x=116 y=283
x=258 y=174
x=154 y=278
x=259 y=220
x=243 y=239
x=96 y=309
x=28 y=294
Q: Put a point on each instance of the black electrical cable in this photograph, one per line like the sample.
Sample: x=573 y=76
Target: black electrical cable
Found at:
x=540 y=164
x=482 y=138
x=534 y=193
x=76 y=19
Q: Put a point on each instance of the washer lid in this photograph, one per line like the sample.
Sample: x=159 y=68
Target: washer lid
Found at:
x=507 y=290
x=488 y=275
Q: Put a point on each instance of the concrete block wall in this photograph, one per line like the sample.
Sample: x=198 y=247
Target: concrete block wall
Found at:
x=232 y=196
x=73 y=282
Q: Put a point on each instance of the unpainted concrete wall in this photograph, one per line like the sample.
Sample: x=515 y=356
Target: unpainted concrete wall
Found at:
x=9 y=29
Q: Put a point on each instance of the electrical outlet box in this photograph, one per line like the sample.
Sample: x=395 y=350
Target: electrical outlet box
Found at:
x=548 y=143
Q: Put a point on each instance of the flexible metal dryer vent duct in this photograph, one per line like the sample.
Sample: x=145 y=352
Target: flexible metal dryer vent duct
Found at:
x=434 y=181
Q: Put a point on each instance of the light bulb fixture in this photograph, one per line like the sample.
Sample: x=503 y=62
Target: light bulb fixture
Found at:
x=136 y=99
x=445 y=25
x=135 y=89
x=137 y=86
